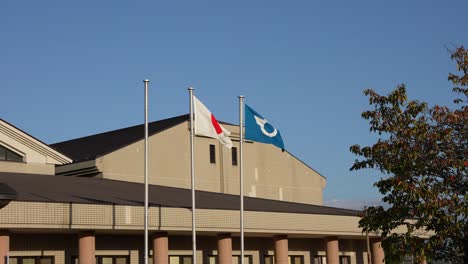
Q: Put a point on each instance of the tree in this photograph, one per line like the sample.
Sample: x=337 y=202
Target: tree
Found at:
x=422 y=152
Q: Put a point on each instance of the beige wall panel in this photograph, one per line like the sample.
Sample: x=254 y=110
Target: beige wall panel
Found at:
x=91 y=215
x=262 y=222
x=33 y=150
x=269 y=173
x=169 y=165
x=129 y=215
x=273 y=174
x=24 y=213
x=33 y=168
x=133 y=217
x=301 y=222
x=177 y=217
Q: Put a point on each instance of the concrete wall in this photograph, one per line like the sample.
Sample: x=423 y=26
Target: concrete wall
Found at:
x=269 y=173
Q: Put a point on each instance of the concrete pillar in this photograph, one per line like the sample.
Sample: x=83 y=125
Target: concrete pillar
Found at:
x=332 y=250
x=224 y=248
x=87 y=247
x=377 y=253
x=160 y=248
x=281 y=249
x=4 y=245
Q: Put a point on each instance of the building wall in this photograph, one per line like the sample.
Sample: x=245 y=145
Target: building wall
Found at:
x=33 y=168
x=63 y=247
x=269 y=173
x=37 y=156
x=71 y=216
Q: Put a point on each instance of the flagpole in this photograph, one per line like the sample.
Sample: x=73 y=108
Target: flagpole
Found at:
x=241 y=168
x=192 y=173
x=146 y=81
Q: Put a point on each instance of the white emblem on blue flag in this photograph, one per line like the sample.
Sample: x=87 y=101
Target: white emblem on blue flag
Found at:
x=261 y=123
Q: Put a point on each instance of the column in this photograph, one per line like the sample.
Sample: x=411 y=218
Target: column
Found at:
x=377 y=253
x=4 y=245
x=87 y=247
x=224 y=248
x=160 y=248
x=281 y=249
x=332 y=250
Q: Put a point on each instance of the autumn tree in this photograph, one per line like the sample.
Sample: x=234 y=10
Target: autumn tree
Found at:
x=422 y=153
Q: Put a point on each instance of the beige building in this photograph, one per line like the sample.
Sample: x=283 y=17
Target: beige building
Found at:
x=81 y=201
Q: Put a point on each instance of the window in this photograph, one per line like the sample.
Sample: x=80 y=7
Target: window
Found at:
x=234 y=156
x=235 y=259
x=31 y=260
x=320 y=260
x=212 y=154
x=106 y=260
x=345 y=260
x=180 y=259
x=269 y=259
x=296 y=259
x=8 y=155
x=213 y=260
x=247 y=259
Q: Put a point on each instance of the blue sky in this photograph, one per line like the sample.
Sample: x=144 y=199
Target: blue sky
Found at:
x=74 y=68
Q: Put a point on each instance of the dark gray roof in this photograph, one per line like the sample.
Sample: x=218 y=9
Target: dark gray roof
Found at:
x=49 y=188
x=6 y=192
x=91 y=147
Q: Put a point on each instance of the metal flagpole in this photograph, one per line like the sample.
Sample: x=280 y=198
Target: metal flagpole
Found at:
x=192 y=173
x=146 y=81
x=241 y=168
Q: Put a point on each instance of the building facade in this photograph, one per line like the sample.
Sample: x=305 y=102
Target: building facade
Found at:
x=81 y=201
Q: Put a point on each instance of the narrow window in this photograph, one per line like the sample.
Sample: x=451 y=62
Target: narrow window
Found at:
x=296 y=259
x=213 y=260
x=320 y=260
x=247 y=259
x=234 y=156
x=105 y=260
x=345 y=259
x=8 y=155
x=31 y=260
x=180 y=259
x=212 y=154
x=269 y=259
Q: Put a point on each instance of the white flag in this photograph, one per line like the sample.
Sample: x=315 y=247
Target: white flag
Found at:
x=207 y=125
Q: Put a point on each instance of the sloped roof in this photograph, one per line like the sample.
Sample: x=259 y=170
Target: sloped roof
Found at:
x=22 y=137
x=91 y=147
x=47 y=188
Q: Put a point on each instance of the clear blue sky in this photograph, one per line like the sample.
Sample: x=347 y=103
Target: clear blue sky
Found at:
x=74 y=68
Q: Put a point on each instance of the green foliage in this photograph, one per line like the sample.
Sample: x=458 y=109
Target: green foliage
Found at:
x=422 y=151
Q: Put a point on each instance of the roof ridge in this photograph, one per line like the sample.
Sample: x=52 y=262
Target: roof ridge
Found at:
x=119 y=129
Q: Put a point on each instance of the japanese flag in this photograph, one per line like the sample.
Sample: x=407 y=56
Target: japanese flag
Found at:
x=207 y=125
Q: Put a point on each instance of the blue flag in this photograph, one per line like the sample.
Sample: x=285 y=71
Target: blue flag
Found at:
x=259 y=129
